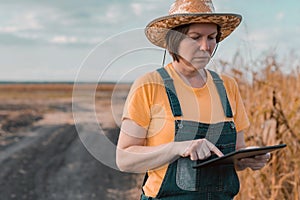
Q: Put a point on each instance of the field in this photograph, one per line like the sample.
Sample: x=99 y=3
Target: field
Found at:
x=272 y=102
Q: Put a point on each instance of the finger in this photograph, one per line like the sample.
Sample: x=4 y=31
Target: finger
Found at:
x=203 y=153
x=214 y=149
x=240 y=164
x=186 y=152
x=217 y=152
x=263 y=158
x=252 y=163
x=249 y=161
x=193 y=156
x=269 y=156
x=257 y=166
x=259 y=157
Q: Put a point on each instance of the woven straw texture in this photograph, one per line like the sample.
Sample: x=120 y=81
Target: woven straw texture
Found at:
x=187 y=12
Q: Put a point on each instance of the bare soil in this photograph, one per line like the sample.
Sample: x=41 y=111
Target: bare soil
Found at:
x=42 y=156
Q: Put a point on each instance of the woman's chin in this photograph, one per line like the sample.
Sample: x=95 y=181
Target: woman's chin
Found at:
x=199 y=66
x=200 y=63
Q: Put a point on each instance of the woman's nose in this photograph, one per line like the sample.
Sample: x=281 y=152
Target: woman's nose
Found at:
x=204 y=46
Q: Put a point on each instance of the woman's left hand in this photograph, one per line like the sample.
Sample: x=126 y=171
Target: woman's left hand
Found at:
x=255 y=163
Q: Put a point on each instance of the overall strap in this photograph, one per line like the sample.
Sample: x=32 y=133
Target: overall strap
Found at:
x=175 y=106
x=171 y=92
x=222 y=93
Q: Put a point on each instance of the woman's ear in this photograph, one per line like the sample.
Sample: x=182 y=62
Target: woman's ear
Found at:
x=218 y=37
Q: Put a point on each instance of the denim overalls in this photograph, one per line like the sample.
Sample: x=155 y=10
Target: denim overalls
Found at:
x=182 y=181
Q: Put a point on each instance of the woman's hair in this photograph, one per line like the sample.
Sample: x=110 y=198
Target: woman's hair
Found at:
x=176 y=35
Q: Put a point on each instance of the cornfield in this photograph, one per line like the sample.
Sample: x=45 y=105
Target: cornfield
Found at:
x=272 y=101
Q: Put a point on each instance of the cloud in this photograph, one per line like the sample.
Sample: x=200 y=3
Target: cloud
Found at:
x=36 y=24
x=74 y=22
x=9 y=29
x=280 y=15
x=271 y=39
x=9 y=39
x=64 y=39
x=74 y=40
x=137 y=8
x=23 y=21
x=113 y=14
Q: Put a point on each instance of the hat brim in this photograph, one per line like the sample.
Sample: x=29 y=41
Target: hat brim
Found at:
x=157 y=29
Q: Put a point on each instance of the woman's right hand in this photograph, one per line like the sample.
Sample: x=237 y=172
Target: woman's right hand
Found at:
x=133 y=156
x=201 y=149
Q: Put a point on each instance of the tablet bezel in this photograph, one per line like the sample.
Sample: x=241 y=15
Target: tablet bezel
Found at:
x=239 y=154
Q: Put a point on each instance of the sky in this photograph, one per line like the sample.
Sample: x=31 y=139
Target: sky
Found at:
x=97 y=40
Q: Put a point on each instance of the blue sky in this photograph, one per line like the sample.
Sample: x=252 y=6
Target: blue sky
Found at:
x=60 y=40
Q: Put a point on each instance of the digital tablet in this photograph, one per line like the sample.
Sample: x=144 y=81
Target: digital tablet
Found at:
x=242 y=153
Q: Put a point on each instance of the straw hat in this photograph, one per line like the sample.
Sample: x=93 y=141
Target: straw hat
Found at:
x=190 y=11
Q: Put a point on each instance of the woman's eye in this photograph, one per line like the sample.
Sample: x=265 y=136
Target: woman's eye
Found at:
x=195 y=37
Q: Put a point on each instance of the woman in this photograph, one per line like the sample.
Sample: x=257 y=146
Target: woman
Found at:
x=181 y=114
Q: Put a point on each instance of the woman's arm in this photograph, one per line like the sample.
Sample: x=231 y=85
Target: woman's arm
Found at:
x=134 y=156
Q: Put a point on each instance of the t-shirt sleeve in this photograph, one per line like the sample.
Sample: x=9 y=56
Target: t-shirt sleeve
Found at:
x=240 y=115
x=138 y=103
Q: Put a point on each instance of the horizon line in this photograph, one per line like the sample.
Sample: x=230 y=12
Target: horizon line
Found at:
x=63 y=82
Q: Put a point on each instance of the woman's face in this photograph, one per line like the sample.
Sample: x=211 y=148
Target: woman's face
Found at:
x=196 y=49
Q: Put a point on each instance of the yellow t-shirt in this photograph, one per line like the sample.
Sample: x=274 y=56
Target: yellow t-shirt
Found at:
x=147 y=105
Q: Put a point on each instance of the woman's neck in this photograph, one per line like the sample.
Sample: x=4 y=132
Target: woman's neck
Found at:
x=190 y=75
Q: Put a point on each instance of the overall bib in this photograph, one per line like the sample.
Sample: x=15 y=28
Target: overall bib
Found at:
x=181 y=180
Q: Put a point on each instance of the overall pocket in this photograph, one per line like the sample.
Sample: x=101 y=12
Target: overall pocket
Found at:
x=207 y=179
x=185 y=174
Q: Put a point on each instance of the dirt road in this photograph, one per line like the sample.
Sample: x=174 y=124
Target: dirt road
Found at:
x=53 y=164
x=48 y=161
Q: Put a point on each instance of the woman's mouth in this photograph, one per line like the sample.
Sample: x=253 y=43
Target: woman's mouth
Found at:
x=201 y=58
